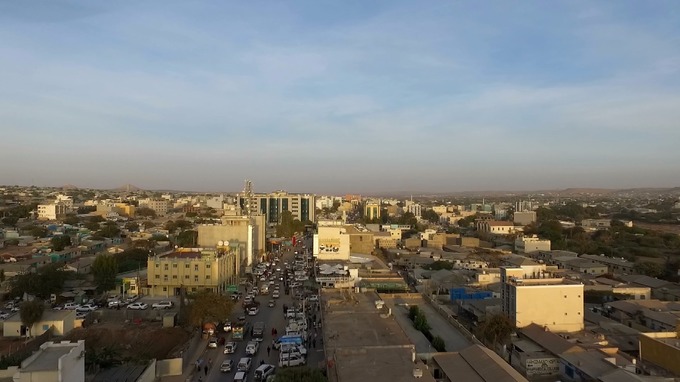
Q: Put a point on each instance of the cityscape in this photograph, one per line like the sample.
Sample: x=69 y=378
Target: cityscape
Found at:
x=348 y=191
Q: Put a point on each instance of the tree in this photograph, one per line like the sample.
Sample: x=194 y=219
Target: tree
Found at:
x=288 y=225
x=187 y=239
x=71 y=220
x=206 y=306
x=408 y=218
x=36 y=231
x=298 y=374
x=2 y=276
x=495 y=330
x=60 y=242
x=132 y=226
x=31 y=312
x=97 y=219
x=104 y=269
x=131 y=259
x=48 y=280
x=439 y=344
x=10 y=221
x=145 y=212
x=92 y=226
x=649 y=269
x=430 y=216
x=110 y=230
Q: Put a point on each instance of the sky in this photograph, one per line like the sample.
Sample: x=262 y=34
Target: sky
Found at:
x=340 y=97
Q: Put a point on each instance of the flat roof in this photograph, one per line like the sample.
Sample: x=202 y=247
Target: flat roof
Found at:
x=48 y=315
x=49 y=358
x=182 y=255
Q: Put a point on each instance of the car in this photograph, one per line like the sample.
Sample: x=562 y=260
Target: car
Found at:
x=131 y=299
x=163 y=305
x=138 y=306
x=226 y=365
x=276 y=294
x=253 y=311
x=240 y=376
x=115 y=304
x=81 y=315
x=293 y=348
x=252 y=347
x=244 y=364
x=286 y=359
x=212 y=342
x=86 y=308
x=272 y=303
x=264 y=371
x=70 y=306
x=227 y=326
x=4 y=315
x=230 y=347
x=314 y=298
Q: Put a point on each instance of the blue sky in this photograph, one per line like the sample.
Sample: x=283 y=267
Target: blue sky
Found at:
x=340 y=96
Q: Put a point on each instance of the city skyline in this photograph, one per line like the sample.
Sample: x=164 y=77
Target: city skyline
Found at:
x=328 y=97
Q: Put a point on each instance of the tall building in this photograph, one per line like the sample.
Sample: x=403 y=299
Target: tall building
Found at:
x=196 y=269
x=414 y=208
x=54 y=211
x=532 y=294
x=273 y=204
x=372 y=209
x=249 y=230
x=160 y=206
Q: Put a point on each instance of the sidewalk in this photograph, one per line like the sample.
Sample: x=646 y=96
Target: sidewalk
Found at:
x=189 y=366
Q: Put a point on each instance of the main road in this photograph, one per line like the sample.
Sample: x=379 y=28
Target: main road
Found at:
x=273 y=317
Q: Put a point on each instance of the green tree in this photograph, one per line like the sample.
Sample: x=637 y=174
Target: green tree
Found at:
x=187 y=239
x=413 y=312
x=299 y=374
x=10 y=221
x=439 y=265
x=191 y=214
x=170 y=226
x=96 y=219
x=495 y=330
x=408 y=218
x=289 y=225
x=131 y=259
x=36 y=231
x=430 y=216
x=145 y=212
x=31 y=312
x=467 y=221
x=92 y=226
x=110 y=230
x=148 y=224
x=71 y=219
x=206 y=306
x=439 y=344
x=60 y=242
x=104 y=270
x=132 y=226
x=649 y=269
x=46 y=281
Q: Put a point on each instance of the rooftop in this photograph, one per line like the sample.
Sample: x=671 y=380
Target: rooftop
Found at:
x=476 y=363
x=48 y=359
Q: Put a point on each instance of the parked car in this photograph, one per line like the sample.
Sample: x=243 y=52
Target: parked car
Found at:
x=163 y=305
x=212 y=342
x=70 y=306
x=252 y=347
x=115 y=304
x=81 y=314
x=86 y=308
x=138 y=306
x=4 y=315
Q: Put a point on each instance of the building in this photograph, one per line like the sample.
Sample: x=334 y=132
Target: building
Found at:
x=61 y=322
x=372 y=210
x=54 y=211
x=595 y=224
x=331 y=242
x=524 y=218
x=473 y=364
x=159 y=206
x=414 y=208
x=528 y=244
x=244 y=229
x=273 y=204
x=586 y=266
x=661 y=349
x=614 y=265
x=495 y=227
x=54 y=362
x=531 y=294
x=196 y=269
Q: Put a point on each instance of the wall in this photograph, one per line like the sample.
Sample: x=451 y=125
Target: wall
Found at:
x=168 y=367
x=546 y=305
x=660 y=353
x=361 y=243
x=149 y=375
x=9 y=372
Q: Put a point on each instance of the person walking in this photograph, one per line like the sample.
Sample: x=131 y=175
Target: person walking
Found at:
x=268 y=350
x=205 y=369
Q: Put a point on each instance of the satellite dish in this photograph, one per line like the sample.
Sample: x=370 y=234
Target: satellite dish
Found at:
x=226 y=243
x=220 y=243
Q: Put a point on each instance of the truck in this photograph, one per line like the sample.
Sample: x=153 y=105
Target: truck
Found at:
x=258 y=331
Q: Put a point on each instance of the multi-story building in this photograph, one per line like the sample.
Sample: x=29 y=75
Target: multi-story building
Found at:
x=54 y=211
x=372 y=209
x=160 y=206
x=273 y=204
x=414 y=208
x=331 y=242
x=528 y=244
x=248 y=230
x=595 y=224
x=54 y=361
x=524 y=217
x=195 y=269
x=531 y=294
x=495 y=227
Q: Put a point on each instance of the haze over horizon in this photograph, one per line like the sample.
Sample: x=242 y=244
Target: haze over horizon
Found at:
x=326 y=97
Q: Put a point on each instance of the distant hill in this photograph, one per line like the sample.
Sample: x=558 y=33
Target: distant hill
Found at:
x=69 y=187
x=127 y=188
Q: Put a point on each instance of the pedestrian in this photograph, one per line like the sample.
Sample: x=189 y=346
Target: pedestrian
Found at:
x=268 y=350
x=205 y=369
x=314 y=342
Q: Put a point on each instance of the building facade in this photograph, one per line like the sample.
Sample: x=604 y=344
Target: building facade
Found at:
x=372 y=210
x=248 y=230
x=54 y=211
x=195 y=269
x=271 y=205
x=54 y=361
x=159 y=206
x=528 y=244
x=531 y=294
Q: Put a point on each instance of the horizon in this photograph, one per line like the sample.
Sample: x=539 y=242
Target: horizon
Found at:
x=377 y=98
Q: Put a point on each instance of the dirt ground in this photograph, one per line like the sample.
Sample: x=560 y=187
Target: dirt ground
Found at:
x=135 y=341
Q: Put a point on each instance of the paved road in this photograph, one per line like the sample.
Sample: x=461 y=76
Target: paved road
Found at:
x=272 y=317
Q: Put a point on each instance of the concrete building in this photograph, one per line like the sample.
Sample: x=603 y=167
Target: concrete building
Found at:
x=495 y=227
x=196 y=269
x=273 y=204
x=528 y=244
x=586 y=266
x=614 y=265
x=414 y=208
x=524 y=217
x=661 y=349
x=160 y=206
x=595 y=224
x=331 y=242
x=54 y=211
x=62 y=322
x=531 y=294
x=372 y=209
x=54 y=362
x=248 y=230
x=473 y=364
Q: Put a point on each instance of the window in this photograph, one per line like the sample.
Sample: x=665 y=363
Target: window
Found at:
x=174 y=277
x=195 y=278
x=174 y=265
x=158 y=265
x=165 y=278
x=207 y=277
x=158 y=276
x=186 y=266
x=165 y=289
x=165 y=266
x=196 y=267
x=186 y=277
x=207 y=266
x=46 y=327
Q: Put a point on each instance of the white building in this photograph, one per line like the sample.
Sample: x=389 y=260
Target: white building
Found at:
x=528 y=244
x=331 y=242
x=54 y=362
x=160 y=206
x=54 y=211
x=414 y=208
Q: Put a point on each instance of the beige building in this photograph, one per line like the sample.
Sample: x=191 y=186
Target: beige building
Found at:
x=195 y=269
x=54 y=362
x=372 y=209
x=661 y=349
x=524 y=218
x=331 y=242
x=528 y=244
x=248 y=230
x=160 y=206
x=54 y=211
x=531 y=294
x=495 y=227
x=271 y=205
x=62 y=322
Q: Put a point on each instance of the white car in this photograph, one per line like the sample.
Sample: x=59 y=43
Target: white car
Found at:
x=253 y=311
x=70 y=306
x=313 y=298
x=252 y=347
x=212 y=342
x=115 y=303
x=138 y=306
x=163 y=305
x=4 y=315
x=230 y=348
x=86 y=308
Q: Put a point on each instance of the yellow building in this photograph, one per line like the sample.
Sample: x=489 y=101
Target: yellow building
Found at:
x=125 y=209
x=531 y=294
x=661 y=349
x=195 y=269
x=372 y=210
